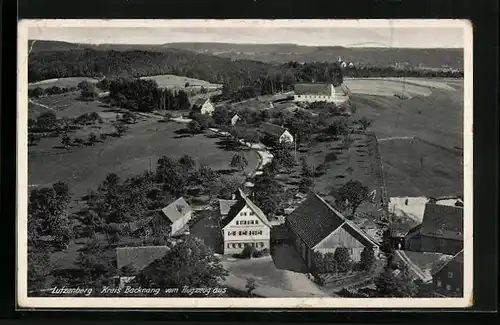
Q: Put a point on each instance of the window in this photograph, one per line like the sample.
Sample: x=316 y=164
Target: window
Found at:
x=234 y=245
x=253 y=244
x=256 y=222
x=237 y=222
x=239 y=233
x=239 y=245
x=448 y=287
x=450 y=275
x=251 y=213
x=228 y=245
x=251 y=222
x=243 y=213
x=438 y=284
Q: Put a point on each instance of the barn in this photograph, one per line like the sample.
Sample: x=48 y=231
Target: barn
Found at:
x=319 y=92
x=441 y=230
x=316 y=227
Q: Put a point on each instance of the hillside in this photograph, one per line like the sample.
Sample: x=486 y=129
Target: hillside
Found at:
x=281 y=53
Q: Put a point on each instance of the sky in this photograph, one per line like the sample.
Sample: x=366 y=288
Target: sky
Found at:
x=434 y=36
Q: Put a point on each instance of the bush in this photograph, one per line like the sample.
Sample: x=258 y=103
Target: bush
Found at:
x=248 y=251
x=262 y=253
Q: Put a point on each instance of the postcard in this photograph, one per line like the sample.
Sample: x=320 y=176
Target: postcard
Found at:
x=244 y=164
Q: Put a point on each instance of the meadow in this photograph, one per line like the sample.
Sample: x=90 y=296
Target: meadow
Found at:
x=61 y=82
x=139 y=149
x=179 y=82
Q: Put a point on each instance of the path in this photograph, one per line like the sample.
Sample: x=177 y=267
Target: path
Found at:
x=41 y=105
x=396 y=138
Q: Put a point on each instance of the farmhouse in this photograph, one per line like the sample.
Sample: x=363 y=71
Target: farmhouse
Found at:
x=448 y=280
x=204 y=106
x=235 y=119
x=131 y=260
x=317 y=92
x=243 y=223
x=315 y=226
x=172 y=220
x=440 y=231
x=277 y=133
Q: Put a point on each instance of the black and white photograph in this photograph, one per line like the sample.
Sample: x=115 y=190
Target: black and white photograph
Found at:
x=244 y=163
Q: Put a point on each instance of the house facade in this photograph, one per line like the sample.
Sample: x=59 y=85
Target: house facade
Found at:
x=317 y=92
x=204 y=106
x=441 y=230
x=316 y=227
x=448 y=281
x=277 y=133
x=243 y=224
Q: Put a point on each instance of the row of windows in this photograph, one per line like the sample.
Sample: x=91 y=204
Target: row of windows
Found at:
x=245 y=232
x=312 y=96
x=247 y=222
x=448 y=286
x=242 y=245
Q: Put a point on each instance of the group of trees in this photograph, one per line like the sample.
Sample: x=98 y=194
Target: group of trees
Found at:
x=38 y=92
x=340 y=261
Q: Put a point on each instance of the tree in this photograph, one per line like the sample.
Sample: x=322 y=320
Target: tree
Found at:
x=338 y=127
x=239 y=161
x=32 y=139
x=367 y=258
x=205 y=177
x=63 y=194
x=121 y=128
x=251 y=285
x=61 y=230
x=248 y=251
x=351 y=195
x=89 y=94
x=95 y=265
x=36 y=92
x=305 y=184
x=189 y=263
x=394 y=282
x=84 y=85
x=47 y=121
x=342 y=259
x=305 y=169
x=92 y=138
x=221 y=116
x=187 y=162
x=365 y=122
x=224 y=187
x=194 y=127
x=284 y=158
x=92 y=222
x=39 y=267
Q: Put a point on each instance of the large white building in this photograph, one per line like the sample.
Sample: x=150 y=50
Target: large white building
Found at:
x=319 y=92
x=243 y=223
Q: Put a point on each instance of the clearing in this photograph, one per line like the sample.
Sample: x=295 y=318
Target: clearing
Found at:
x=171 y=81
x=61 y=82
x=138 y=150
x=416 y=168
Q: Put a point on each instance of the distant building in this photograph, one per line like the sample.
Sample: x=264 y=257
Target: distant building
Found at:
x=448 y=281
x=316 y=227
x=277 y=133
x=243 y=223
x=441 y=230
x=130 y=261
x=204 y=106
x=319 y=92
x=235 y=119
x=172 y=220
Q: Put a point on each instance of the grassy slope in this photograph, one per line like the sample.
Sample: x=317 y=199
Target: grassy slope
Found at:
x=84 y=168
x=61 y=82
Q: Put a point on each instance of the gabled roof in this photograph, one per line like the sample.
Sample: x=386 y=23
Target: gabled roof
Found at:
x=225 y=206
x=443 y=221
x=236 y=208
x=176 y=210
x=272 y=129
x=315 y=219
x=139 y=257
x=458 y=258
x=201 y=101
x=313 y=89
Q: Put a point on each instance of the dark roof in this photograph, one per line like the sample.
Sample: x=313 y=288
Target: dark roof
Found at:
x=443 y=221
x=236 y=208
x=272 y=129
x=201 y=101
x=225 y=206
x=177 y=209
x=139 y=257
x=315 y=219
x=313 y=89
x=458 y=258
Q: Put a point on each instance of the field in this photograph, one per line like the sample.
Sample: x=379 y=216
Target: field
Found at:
x=437 y=117
x=178 y=82
x=65 y=105
x=414 y=168
x=84 y=168
x=61 y=82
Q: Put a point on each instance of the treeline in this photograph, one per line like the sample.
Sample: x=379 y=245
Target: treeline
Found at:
x=383 y=72
x=234 y=74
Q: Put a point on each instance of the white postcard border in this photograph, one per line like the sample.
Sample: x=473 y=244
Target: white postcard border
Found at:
x=76 y=302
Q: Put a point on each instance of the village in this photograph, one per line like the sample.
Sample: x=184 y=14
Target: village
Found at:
x=299 y=224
